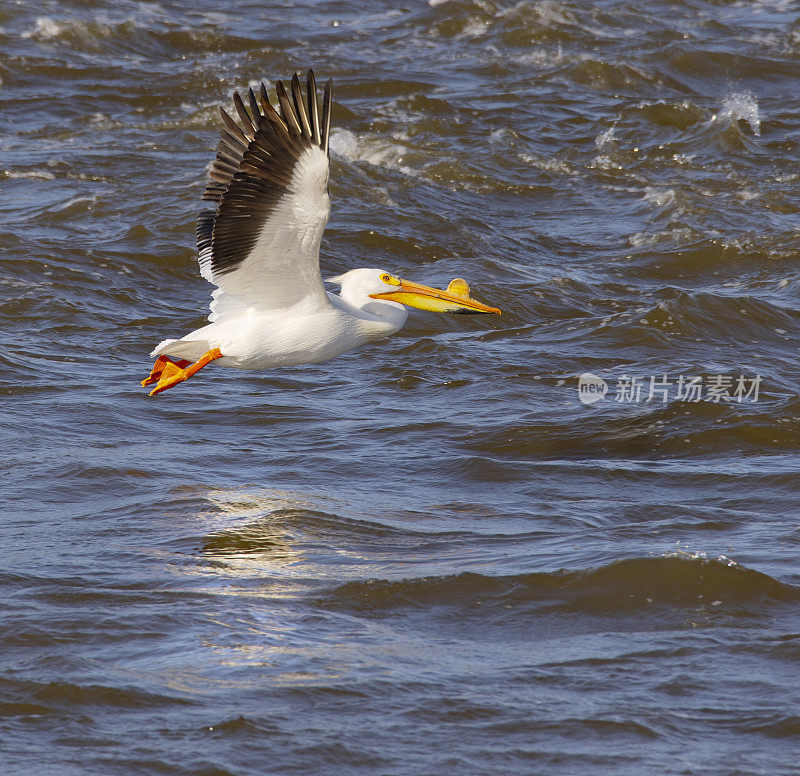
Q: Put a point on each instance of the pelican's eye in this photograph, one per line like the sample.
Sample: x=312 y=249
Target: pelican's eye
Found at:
x=390 y=280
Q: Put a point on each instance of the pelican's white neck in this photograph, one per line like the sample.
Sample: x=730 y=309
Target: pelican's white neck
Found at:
x=382 y=317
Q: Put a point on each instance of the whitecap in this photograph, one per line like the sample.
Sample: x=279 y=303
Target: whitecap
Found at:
x=45 y=28
x=548 y=163
x=739 y=106
x=473 y=29
x=48 y=29
x=604 y=162
x=498 y=136
x=538 y=56
x=369 y=148
x=604 y=138
x=41 y=174
x=547 y=13
x=678 y=235
x=658 y=197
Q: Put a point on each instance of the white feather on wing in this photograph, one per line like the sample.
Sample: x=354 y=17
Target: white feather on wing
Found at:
x=260 y=245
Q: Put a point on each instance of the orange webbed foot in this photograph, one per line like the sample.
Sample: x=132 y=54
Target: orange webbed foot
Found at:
x=158 y=369
x=170 y=373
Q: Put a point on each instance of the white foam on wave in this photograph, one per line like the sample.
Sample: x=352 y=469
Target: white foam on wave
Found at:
x=604 y=138
x=539 y=56
x=40 y=174
x=677 y=235
x=549 y=164
x=604 y=162
x=48 y=29
x=474 y=29
x=547 y=13
x=369 y=148
x=45 y=28
x=255 y=84
x=740 y=106
x=214 y=18
x=658 y=197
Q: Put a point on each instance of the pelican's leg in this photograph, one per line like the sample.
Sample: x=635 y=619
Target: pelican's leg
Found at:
x=172 y=374
x=158 y=368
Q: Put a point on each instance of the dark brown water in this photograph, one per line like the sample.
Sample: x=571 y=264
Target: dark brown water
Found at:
x=428 y=556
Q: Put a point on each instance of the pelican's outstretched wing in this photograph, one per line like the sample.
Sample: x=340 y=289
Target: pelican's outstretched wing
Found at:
x=269 y=185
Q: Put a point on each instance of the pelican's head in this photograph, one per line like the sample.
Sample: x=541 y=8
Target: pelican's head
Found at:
x=379 y=284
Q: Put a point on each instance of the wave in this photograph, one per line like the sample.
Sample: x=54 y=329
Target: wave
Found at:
x=129 y=37
x=626 y=586
x=736 y=316
x=687 y=430
x=688 y=62
x=51 y=697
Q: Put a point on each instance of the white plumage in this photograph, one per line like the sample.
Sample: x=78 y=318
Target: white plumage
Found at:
x=309 y=331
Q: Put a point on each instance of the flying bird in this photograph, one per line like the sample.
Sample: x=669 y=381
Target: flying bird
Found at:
x=258 y=242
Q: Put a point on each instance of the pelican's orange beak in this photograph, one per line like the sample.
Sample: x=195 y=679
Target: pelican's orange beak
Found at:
x=455 y=299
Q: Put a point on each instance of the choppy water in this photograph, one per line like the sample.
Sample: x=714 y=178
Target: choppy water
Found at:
x=427 y=556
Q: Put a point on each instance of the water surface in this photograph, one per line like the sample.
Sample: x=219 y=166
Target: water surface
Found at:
x=427 y=556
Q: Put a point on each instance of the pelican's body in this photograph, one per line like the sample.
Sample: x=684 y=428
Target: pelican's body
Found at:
x=305 y=333
x=259 y=245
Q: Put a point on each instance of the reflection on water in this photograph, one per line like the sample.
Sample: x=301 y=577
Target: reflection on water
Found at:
x=254 y=522
x=267 y=533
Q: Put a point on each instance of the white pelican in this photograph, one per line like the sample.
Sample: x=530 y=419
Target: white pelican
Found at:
x=259 y=244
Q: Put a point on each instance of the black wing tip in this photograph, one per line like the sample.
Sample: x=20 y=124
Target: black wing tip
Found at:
x=250 y=118
x=253 y=163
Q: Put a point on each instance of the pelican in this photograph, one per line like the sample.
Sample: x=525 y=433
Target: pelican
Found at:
x=258 y=242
